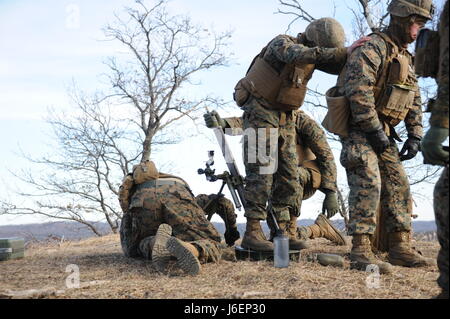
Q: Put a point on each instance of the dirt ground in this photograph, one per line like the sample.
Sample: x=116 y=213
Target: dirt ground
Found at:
x=49 y=271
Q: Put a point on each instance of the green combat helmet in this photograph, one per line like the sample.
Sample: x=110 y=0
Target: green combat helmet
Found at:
x=405 y=8
x=326 y=33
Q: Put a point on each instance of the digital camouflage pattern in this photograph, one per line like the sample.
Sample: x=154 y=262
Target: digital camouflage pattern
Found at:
x=375 y=179
x=312 y=135
x=221 y=206
x=439 y=118
x=441 y=200
x=362 y=72
x=280 y=187
x=440 y=113
x=283 y=49
x=174 y=205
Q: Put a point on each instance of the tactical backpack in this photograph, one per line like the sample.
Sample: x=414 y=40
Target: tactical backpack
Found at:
x=284 y=90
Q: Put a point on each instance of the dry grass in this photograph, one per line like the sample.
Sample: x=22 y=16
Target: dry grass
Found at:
x=106 y=273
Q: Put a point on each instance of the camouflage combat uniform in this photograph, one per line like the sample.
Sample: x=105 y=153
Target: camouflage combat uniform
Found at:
x=439 y=118
x=310 y=135
x=280 y=187
x=373 y=178
x=170 y=201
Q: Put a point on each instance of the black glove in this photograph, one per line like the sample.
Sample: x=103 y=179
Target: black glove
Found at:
x=410 y=148
x=378 y=140
x=231 y=235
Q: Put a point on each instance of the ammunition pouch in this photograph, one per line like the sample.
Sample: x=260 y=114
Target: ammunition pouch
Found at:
x=399 y=69
x=395 y=104
x=427 y=53
x=394 y=92
x=125 y=192
x=337 y=118
x=241 y=94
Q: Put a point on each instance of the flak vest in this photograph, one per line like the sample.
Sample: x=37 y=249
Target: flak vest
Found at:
x=284 y=90
x=394 y=93
x=395 y=89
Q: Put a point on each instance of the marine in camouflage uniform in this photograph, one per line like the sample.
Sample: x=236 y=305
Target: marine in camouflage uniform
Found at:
x=168 y=201
x=369 y=153
x=270 y=95
x=434 y=154
x=316 y=169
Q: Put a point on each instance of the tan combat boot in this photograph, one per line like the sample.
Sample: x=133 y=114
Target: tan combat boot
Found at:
x=294 y=242
x=160 y=254
x=402 y=254
x=186 y=254
x=254 y=238
x=362 y=256
x=324 y=228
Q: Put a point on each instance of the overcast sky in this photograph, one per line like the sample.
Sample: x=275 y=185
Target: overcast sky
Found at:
x=47 y=44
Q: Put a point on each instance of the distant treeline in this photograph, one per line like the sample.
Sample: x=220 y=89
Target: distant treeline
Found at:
x=76 y=231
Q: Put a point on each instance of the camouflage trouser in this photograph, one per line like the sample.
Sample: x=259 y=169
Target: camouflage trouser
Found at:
x=280 y=185
x=441 y=198
x=375 y=180
x=173 y=205
x=306 y=189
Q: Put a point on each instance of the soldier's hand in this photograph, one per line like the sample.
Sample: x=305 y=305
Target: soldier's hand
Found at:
x=432 y=149
x=330 y=205
x=212 y=120
x=410 y=148
x=378 y=140
x=231 y=235
x=357 y=44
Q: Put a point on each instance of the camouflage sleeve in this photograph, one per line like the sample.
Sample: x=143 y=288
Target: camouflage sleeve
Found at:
x=287 y=51
x=222 y=206
x=360 y=79
x=314 y=137
x=413 y=120
x=236 y=124
x=440 y=113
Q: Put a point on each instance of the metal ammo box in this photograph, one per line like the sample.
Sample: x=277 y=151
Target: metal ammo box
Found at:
x=12 y=248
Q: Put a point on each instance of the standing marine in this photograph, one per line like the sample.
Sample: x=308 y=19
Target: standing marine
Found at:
x=270 y=94
x=162 y=220
x=436 y=61
x=316 y=170
x=381 y=89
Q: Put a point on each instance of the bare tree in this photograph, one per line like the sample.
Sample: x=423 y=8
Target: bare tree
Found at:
x=166 y=52
x=91 y=152
x=108 y=132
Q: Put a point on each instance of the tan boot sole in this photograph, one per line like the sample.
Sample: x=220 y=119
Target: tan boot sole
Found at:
x=323 y=219
x=185 y=259
x=160 y=254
